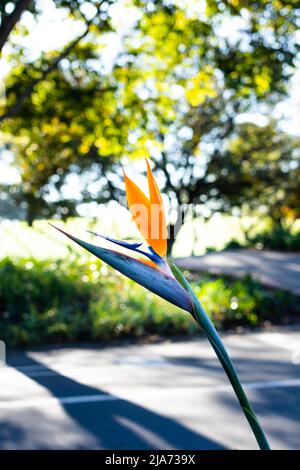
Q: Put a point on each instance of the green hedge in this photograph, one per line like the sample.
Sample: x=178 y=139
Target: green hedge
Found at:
x=46 y=301
x=277 y=238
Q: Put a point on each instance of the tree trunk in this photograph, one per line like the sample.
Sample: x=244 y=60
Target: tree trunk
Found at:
x=30 y=219
x=30 y=213
x=171 y=239
x=174 y=229
x=8 y=22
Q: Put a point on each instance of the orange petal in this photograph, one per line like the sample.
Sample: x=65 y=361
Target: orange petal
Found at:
x=155 y=195
x=148 y=214
x=158 y=219
x=140 y=208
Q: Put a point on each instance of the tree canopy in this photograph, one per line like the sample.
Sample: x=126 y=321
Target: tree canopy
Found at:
x=184 y=74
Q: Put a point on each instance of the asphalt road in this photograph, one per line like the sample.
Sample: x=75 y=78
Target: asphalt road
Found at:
x=168 y=395
x=272 y=268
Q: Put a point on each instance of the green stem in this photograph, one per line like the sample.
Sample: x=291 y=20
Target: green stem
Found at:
x=226 y=362
x=213 y=337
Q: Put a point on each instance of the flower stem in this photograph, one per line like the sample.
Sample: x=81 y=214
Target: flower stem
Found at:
x=213 y=337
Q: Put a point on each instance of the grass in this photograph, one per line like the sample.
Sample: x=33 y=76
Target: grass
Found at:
x=42 y=242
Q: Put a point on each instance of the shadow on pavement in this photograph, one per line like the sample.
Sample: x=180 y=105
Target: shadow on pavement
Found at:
x=117 y=424
x=278 y=410
x=278 y=407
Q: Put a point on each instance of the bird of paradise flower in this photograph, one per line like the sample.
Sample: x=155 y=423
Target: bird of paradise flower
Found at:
x=157 y=273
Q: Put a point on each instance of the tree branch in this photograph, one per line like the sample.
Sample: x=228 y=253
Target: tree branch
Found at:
x=10 y=21
x=17 y=106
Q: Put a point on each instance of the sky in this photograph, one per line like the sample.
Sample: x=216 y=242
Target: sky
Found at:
x=53 y=29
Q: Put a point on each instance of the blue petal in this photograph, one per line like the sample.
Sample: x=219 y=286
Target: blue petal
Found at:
x=153 y=256
x=152 y=279
x=130 y=246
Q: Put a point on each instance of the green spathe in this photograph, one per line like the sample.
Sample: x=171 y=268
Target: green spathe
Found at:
x=166 y=286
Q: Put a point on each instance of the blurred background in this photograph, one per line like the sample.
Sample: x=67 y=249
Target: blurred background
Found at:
x=209 y=92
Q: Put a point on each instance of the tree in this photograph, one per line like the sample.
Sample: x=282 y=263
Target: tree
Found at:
x=174 y=93
x=218 y=81
x=261 y=167
x=99 y=22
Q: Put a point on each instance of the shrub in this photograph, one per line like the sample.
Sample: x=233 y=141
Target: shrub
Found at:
x=278 y=238
x=46 y=301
